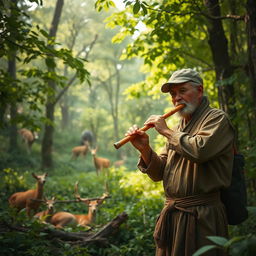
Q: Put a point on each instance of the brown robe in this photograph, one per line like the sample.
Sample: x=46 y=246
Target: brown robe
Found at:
x=197 y=160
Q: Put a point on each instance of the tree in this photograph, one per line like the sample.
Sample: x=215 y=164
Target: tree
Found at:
x=251 y=42
x=190 y=34
x=26 y=43
x=219 y=48
x=216 y=38
x=49 y=128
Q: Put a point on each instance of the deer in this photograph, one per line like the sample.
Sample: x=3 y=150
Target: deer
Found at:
x=45 y=216
x=99 y=162
x=28 y=137
x=118 y=163
x=80 y=150
x=21 y=200
x=121 y=162
x=62 y=219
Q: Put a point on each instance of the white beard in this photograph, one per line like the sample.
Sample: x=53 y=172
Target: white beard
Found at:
x=188 y=109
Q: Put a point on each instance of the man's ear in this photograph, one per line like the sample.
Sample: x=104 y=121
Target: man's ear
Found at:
x=200 y=89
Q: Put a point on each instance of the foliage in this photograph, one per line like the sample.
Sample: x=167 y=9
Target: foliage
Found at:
x=237 y=246
x=172 y=35
x=11 y=181
x=242 y=241
x=130 y=190
x=133 y=197
x=28 y=44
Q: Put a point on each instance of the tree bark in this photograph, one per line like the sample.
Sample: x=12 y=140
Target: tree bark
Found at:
x=81 y=238
x=47 y=142
x=13 y=108
x=251 y=37
x=64 y=106
x=219 y=48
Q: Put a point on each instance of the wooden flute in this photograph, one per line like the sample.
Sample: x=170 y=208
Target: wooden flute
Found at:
x=123 y=141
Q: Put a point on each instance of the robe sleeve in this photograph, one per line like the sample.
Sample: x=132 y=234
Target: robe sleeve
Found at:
x=215 y=135
x=155 y=169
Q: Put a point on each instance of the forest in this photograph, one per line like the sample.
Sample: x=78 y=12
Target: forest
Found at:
x=74 y=76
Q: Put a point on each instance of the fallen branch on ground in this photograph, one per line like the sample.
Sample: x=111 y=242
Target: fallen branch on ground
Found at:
x=81 y=238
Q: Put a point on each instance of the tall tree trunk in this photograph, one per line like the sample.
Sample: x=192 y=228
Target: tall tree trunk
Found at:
x=219 y=48
x=13 y=108
x=251 y=37
x=47 y=141
x=116 y=108
x=64 y=106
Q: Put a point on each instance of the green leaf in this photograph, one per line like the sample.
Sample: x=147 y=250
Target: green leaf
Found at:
x=234 y=240
x=204 y=249
x=50 y=63
x=136 y=7
x=218 y=240
x=145 y=11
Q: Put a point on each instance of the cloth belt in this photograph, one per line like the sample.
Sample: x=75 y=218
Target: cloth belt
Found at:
x=162 y=233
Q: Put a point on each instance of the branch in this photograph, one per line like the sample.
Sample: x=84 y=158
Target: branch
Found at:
x=91 y=46
x=111 y=227
x=65 y=89
x=197 y=58
x=200 y=12
x=78 y=200
x=82 y=238
x=75 y=75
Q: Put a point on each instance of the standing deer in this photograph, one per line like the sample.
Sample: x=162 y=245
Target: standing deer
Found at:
x=21 y=200
x=61 y=219
x=99 y=162
x=28 y=137
x=80 y=150
x=45 y=216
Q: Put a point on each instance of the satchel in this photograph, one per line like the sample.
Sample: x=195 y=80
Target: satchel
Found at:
x=235 y=196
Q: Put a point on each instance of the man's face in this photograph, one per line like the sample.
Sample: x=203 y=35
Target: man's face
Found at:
x=187 y=94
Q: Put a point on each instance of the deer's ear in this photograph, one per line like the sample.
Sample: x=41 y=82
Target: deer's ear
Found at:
x=100 y=201
x=34 y=175
x=86 y=201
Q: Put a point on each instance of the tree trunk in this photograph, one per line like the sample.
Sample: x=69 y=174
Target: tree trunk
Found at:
x=251 y=37
x=219 y=48
x=64 y=106
x=47 y=141
x=13 y=109
x=116 y=109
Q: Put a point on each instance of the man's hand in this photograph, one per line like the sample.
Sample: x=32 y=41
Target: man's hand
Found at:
x=139 y=139
x=159 y=123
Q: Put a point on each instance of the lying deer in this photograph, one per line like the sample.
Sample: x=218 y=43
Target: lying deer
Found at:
x=80 y=150
x=45 y=216
x=121 y=162
x=99 y=162
x=28 y=137
x=62 y=219
x=21 y=200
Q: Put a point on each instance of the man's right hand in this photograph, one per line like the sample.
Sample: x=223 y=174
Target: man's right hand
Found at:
x=139 y=139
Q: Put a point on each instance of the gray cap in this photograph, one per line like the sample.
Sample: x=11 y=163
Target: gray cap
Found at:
x=182 y=76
